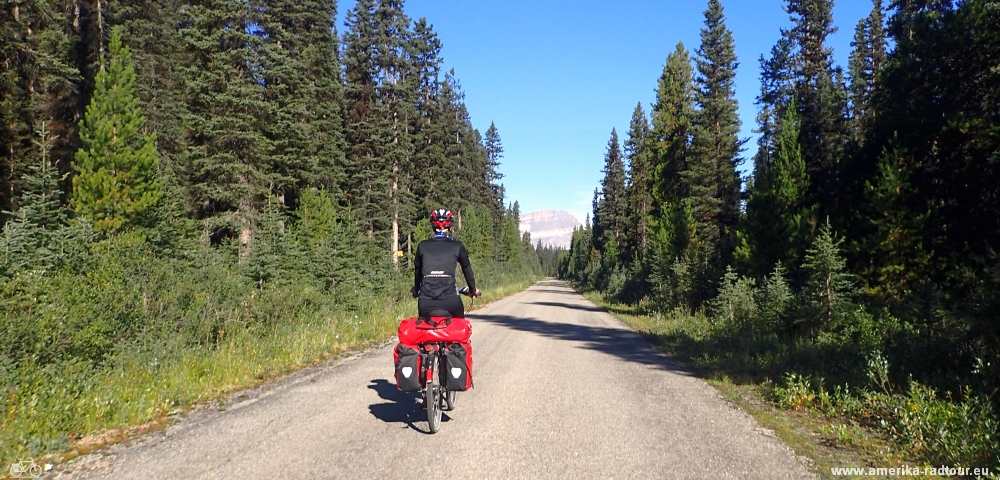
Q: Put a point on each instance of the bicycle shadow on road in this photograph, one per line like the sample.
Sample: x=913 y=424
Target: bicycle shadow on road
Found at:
x=625 y=344
x=404 y=407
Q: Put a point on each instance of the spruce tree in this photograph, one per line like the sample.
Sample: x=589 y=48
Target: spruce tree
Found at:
x=429 y=133
x=867 y=60
x=777 y=225
x=42 y=53
x=366 y=171
x=671 y=129
x=822 y=101
x=830 y=289
x=900 y=261
x=396 y=92
x=301 y=80
x=116 y=185
x=714 y=185
x=638 y=190
x=494 y=152
x=226 y=156
x=613 y=212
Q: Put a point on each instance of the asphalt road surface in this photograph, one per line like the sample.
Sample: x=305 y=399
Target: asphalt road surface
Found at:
x=562 y=390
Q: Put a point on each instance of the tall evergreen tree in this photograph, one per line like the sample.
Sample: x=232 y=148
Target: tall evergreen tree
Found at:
x=867 y=60
x=613 y=211
x=226 y=158
x=494 y=152
x=777 y=225
x=301 y=79
x=821 y=98
x=671 y=129
x=397 y=93
x=116 y=184
x=42 y=53
x=715 y=148
x=638 y=191
x=367 y=170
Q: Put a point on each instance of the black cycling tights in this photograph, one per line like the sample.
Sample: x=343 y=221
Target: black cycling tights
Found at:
x=452 y=304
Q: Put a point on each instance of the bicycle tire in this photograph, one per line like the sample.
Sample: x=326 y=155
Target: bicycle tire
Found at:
x=450 y=399
x=433 y=397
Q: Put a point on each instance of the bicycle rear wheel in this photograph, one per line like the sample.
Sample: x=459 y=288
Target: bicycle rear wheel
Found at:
x=433 y=397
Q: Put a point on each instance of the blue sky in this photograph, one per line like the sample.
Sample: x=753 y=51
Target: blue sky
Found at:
x=556 y=76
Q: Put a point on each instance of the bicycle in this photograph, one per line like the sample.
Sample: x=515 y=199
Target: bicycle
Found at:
x=436 y=397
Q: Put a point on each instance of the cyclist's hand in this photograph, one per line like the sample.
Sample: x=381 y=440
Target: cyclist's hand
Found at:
x=478 y=293
x=413 y=291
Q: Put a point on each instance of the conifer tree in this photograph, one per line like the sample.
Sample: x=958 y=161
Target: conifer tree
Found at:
x=226 y=156
x=40 y=82
x=150 y=30
x=365 y=169
x=899 y=259
x=671 y=129
x=397 y=93
x=830 y=289
x=867 y=60
x=116 y=184
x=638 y=190
x=429 y=130
x=494 y=152
x=301 y=79
x=777 y=225
x=714 y=185
x=612 y=212
x=777 y=77
x=821 y=98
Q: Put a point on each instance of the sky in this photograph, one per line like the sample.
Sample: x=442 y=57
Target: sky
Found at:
x=557 y=76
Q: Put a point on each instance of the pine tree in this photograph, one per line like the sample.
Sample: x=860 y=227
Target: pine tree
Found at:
x=638 y=190
x=899 y=259
x=777 y=77
x=671 y=129
x=397 y=93
x=714 y=185
x=150 y=28
x=116 y=185
x=429 y=130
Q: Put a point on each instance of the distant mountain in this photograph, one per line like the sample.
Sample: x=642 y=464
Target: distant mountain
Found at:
x=553 y=228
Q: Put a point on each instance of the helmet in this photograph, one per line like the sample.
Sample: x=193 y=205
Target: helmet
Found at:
x=441 y=220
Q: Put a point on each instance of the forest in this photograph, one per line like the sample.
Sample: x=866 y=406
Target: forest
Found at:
x=856 y=267
x=200 y=195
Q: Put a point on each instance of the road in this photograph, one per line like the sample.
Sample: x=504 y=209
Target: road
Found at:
x=562 y=390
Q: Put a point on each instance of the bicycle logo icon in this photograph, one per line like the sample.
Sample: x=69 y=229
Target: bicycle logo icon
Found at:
x=25 y=469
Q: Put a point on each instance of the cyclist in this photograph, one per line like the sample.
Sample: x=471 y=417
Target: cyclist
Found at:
x=434 y=269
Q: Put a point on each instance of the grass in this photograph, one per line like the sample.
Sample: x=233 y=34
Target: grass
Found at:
x=860 y=429
x=63 y=410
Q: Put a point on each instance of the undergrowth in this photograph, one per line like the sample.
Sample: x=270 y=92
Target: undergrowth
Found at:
x=132 y=336
x=837 y=378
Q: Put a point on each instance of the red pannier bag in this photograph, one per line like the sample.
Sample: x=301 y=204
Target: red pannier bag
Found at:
x=414 y=331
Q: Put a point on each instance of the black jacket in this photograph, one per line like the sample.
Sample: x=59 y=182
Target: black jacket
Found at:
x=434 y=268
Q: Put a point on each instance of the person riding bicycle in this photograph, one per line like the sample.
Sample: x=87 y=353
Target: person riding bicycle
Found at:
x=434 y=270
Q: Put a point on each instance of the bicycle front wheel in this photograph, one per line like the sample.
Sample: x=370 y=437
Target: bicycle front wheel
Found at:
x=450 y=399
x=433 y=397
